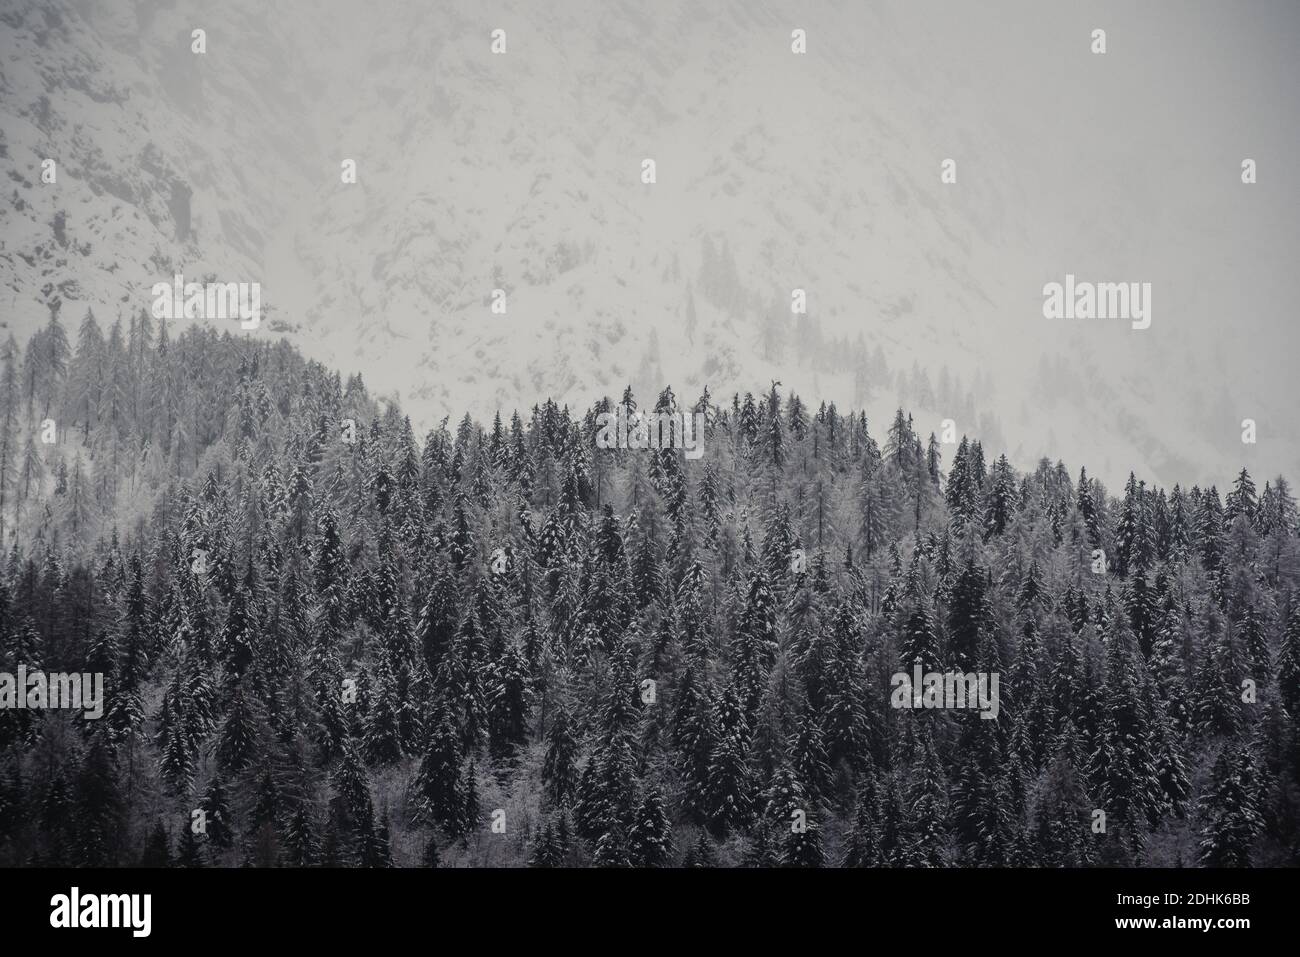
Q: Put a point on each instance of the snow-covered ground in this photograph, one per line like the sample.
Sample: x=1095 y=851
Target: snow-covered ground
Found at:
x=820 y=172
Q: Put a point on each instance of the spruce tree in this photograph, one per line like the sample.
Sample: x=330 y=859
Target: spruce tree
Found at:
x=729 y=782
x=649 y=843
x=1230 y=810
x=438 y=794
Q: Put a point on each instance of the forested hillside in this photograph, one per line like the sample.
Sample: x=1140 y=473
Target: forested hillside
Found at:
x=329 y=641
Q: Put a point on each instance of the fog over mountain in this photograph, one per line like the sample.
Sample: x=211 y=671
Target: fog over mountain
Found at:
x=774 y=172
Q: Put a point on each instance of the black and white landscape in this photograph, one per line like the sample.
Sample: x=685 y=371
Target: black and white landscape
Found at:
x=685 y=434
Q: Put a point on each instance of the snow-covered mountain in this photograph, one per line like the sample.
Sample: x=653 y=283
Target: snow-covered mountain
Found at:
x=522 y=172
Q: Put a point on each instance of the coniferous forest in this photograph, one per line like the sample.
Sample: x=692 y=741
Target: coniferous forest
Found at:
x=327 y=640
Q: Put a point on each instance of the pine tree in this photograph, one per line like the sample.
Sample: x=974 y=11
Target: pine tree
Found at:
x=1170 y=762
x=918 y=643
x=1123 y=769
x=968 y=614
x=693 y=738
x=382 y=736
x=353 y=811
x=559 y=769
x=1230 y=810
x=648 y=842
x=98 y=809
x=238 y=733
x=1288 y=662
x=1126 y=532
x=929 y=810
x=174 y=735
x=300 y=840
x=471 y=810
x=803 y=845
x=156 y=852
x=509 y=697
x=189 y=852
x=1062 y=816
x=701 y=854
x=438 y=793
x=238 y=637
x=846 y=722
x=1208 y=523
x=862 y=849
x=729 y=797
x=755 y=643
x=878 y=509
x=1215 y=698
x=1001 y=499
x=546 y=850
x=1254 y=642
x=1241 y=500
x=218 y=820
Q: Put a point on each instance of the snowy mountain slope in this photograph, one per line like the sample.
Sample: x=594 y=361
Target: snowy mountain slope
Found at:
x=522 y=172
x=162 y=162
